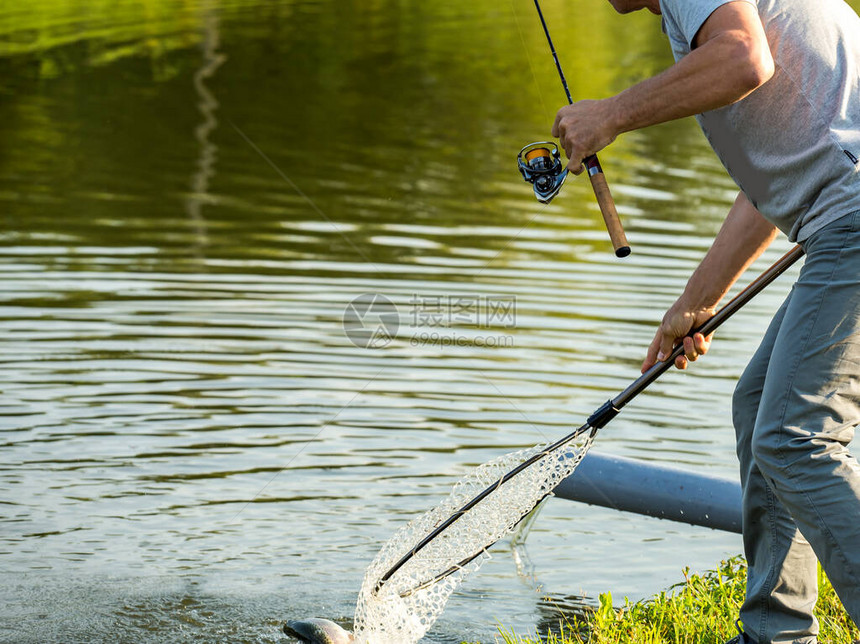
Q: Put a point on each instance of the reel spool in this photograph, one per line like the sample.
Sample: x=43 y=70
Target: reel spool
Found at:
x=540 y=164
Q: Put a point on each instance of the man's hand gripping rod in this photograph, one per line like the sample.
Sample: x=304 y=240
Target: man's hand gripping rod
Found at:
x=541 y=166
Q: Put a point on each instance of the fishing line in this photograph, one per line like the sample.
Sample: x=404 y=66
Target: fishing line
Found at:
x=529 y=58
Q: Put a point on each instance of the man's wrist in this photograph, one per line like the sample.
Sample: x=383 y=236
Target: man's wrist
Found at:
x=617 y=119
x=698 y=298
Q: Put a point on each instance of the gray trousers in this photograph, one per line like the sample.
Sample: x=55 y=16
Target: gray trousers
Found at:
x=794 y=412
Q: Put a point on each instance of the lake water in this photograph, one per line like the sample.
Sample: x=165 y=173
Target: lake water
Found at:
x=192 y=192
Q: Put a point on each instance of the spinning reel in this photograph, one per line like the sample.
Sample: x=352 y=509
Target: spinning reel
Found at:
x=540 y=164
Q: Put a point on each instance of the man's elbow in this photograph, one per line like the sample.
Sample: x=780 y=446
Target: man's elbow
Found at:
x=754 y=63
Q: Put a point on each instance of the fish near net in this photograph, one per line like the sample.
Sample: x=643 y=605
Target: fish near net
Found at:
x=407 y=585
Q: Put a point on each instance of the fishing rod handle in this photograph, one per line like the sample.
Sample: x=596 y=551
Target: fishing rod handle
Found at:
x=607 y=206
x=710 y=325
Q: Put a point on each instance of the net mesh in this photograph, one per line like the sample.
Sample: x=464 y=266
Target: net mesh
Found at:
x=410 y=601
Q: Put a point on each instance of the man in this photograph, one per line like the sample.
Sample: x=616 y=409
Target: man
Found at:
x=775 y=85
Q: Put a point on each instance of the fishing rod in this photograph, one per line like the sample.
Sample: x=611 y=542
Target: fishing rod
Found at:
x=596 y=421
x=540 y=165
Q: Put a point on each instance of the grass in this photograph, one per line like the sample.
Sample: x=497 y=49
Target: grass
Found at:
x=699 y=610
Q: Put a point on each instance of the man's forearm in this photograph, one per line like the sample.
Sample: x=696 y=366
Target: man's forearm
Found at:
x=743 y=237
x=745 y=234
x=696 y=84
x=732 y=60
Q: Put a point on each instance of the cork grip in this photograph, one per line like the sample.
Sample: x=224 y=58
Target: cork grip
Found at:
x=607 y=206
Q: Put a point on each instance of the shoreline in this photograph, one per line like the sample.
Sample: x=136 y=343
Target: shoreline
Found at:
x=700 y=609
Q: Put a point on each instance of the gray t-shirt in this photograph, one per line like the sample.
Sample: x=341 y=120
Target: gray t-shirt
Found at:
x=793 y=144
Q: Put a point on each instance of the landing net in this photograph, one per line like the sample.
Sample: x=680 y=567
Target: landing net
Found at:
x=406 y=605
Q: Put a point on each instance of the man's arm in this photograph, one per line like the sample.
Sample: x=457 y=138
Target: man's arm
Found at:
x=730 y=59
x=745 y=234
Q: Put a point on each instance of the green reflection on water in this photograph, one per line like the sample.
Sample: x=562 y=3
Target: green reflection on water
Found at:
x=381 y=113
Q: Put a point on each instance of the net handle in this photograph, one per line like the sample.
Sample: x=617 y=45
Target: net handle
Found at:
x=602 y=415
